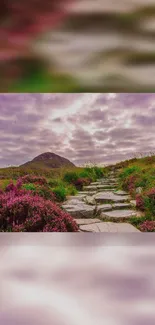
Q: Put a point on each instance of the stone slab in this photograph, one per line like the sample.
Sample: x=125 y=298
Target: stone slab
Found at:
x=87 y=193
x=103 y=207
x=87 y=221
x=119 y=214
x=110 y=184
x=80 y=210
x=101 y=179
x=95 y=183
x=105 y=190
x=112 y=179
x=109 y=227
x=105 y=186
x=74 y=201
x=120 y=192
x=89 y=188
x=109 y=197
x=121 y=206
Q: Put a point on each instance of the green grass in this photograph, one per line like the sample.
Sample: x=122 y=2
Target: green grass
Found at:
x=139 y=172
x=60 y=180
x=60 y=193
x=44 y=82
x=137 y=221
x=29 y=187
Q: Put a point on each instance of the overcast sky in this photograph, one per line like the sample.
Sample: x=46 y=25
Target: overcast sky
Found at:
x=101 y=128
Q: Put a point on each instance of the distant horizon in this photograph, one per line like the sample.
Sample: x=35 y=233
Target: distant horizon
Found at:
x=91 y=163
x=97 y=127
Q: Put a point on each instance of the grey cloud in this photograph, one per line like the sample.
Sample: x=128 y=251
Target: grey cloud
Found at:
x=99 y=132
x=57 y=120
x=101 y=100
x=95 y=115
x=145 y=120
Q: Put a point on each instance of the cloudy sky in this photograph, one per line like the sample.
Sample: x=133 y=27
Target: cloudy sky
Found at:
x=101 y=128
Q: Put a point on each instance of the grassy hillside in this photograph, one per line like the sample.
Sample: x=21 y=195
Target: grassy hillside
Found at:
x=30 y=199
x=137 y=176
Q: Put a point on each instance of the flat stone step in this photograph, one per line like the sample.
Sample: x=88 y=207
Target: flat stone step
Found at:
x=109 y=197
x=106 y=189
x=108 y=181
x=109 y=227
x=85 y=193
x=80 y=210
x=95 y=183
x=116 y=215
x=90 y=188
x=103 y=207
x=75 y=198
x=80 y=196
x=119 y=192
x=105 y=186
x=110 y=184
x=87 y=221
x=121 y=206
x=101 y=179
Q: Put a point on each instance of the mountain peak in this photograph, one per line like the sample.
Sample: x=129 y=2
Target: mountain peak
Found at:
x=49 y=160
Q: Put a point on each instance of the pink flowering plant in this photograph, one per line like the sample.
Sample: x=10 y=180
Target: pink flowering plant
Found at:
x=147 y=226
x=22 y=211
x=140 y=202
x=33 y=179
x=146 y=201
x=80 y=182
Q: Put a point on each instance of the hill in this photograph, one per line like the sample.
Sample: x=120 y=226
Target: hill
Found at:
x=48 y=160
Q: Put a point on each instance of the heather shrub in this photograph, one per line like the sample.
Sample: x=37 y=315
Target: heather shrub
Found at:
x=41 y=190
x=45 y=192
x=5 y=183
x=129 y=184
x=139 y=177
x=146 y=201
x=20 y=211
x=10 y=187
x=34 y=179
x=149 y=201
x=80 y=182
x=147 y=226
x=140 y=202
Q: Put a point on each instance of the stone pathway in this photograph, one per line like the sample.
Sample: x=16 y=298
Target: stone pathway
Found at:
x=101 y=207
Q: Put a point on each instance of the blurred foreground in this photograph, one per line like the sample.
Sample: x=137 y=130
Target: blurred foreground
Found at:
x=77 y=280
x=78 y=46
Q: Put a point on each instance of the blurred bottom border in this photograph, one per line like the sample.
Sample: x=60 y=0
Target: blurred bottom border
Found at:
x=77 y=240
